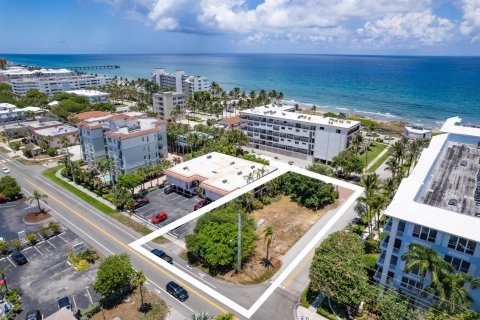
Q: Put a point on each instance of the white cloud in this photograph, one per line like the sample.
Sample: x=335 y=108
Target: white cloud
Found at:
x=470 y=25
x=418 y=27
x=316 y=21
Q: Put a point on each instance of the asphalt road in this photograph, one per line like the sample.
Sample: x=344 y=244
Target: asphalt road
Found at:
x=110 y=237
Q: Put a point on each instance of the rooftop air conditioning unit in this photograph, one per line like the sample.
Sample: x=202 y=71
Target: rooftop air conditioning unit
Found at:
x=252 y=167
x=232 y=163
x=225 y=181
x=239 y=173
x=185 y=168
x=309 y=118
x=209 y=156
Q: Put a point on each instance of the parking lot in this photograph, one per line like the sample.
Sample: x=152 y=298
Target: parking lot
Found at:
x=175 y=204
x=47 y=276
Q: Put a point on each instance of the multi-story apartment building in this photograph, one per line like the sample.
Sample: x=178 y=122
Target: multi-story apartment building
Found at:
x=278 y=129
x=52 y=85
x=165 y=102
x=180 y=82
x=438 y=207
x=93 y=96
x=10 y=112
x=132 y=142
x=17 y=72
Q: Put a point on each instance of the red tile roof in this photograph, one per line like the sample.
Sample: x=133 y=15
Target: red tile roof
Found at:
x=91 y=114
x=231 y=120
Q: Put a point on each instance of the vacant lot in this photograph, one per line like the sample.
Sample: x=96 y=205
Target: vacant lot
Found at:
x=289 y=222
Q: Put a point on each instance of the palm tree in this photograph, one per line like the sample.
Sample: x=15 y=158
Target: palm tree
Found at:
x=37 y=196
x=426 y=261
x=451 y=292
x=392 y=166
x=267 y=238
x=139 y=280
x=357 y=142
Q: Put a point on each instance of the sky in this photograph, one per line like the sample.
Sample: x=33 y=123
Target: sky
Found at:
x=398 y=27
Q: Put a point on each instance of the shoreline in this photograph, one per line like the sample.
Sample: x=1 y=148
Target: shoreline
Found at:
x=379 y=117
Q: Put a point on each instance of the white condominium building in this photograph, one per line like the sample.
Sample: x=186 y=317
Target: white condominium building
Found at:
x=438 y=207
x=52 y=85
x=180 y=82
x=278 y=129
x=10 y=112
x=165 y=102
x=93 y=96
x=17 y=72
x=133 y=142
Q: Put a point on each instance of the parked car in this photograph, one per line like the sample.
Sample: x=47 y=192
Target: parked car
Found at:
x=64 y=303
x=5 y=170
x=169 y=189
x=388 y=138
x=34 y=315
x=177 y=291
x=202 y=203
x=19 y=258
x=163 y=255
x=161 y=216
x=140 y=202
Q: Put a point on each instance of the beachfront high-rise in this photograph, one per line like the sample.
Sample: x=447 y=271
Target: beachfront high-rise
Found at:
x=132 y=142
x=281 y=130
x=49 y=81
x=438 y=207
x=180 y=82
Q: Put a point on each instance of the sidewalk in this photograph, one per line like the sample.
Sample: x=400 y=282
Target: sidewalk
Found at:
x=377 y=158
x=302 y=313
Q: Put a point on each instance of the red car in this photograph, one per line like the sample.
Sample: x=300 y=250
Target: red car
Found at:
x=161 y=216
x=202 y=203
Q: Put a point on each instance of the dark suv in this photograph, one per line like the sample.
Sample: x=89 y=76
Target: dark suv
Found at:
x=64 y=303
x=177 y=291
x=169 y=189
x=163 y=255
x=140 y=202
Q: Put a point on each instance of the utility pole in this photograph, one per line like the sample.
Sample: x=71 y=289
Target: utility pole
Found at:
x=239 y=243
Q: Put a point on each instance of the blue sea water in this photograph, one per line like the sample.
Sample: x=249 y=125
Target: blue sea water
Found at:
x=419 y=90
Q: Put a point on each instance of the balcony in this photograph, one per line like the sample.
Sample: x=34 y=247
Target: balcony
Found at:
x=399 y=233
x=378 y=274
x=388 y=227
x=384 y=243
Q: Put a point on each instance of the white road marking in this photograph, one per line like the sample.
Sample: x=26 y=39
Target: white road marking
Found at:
x=55 y=265
x=13 y=264
x=38 y=250
x=191 y=268
x=51 y=244
x=56 y=274
x=89 y=296
x=74 y=302
x=62 y=239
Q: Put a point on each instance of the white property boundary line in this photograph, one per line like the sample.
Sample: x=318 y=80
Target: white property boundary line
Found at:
x=281 y=169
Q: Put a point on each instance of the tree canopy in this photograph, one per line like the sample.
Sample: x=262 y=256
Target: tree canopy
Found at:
x=113 y=274
x=337 y=270
x=9 y=187
x=347 y=162
x=214 y=238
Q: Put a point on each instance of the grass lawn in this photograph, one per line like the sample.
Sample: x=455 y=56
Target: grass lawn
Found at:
x=5 y=150
x=50 y=174
x=373 y=151
x=379 y=162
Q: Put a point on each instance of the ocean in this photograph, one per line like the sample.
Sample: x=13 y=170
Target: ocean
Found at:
x=418 y=90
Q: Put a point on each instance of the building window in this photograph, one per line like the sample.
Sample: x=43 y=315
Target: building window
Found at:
x=411 y=284
x=462 y=244
x=424 y=233
x=322 y=128
x=338 y=131
x=458 y=264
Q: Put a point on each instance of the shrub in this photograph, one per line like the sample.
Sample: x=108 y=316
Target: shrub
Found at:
x=27 y=152
x=44 y=232
x=16 y=244
x=54 y=227
x=3 y=246
x=52 y=152
x=369 y=261
x=15 y=145
x=31 y=238
x=266 y=200
x=82 y=265
x=379 y=140
x=372 y=246
x=257 y=204
x=89 y=255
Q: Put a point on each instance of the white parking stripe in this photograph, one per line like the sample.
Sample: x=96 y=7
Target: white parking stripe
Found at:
x=13 y=264
x=38 y=250
x=89 y=296
x=74 y=302
x=62 y=238
x=56 y=274
x=51 y=244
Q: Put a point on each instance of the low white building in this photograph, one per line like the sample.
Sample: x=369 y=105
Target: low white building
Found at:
x=10 y=112
x=438 y=207
x=53 y=135
x=165 y=102
x=281 y=130
x=415 y=132
x=216 y=174
x=93 y=96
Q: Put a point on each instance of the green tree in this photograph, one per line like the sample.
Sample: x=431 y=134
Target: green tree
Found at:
x=7 y=97
x=337 y=270
x=9 y=187
x=321 y=168
x=37 y=196
x=225 y=316
x=113 y=274
x=214 y=238
x=120 y=196
x=357 y=142
x=5 y=86
x=34 y=98
x=450 y=292
x=267 y=238
x=426 y=261
x=129 y=181
x=16 y=244
x=392 y=306
x=347 y=162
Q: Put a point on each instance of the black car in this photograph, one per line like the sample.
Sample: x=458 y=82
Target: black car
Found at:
x=163 y=255
x=64 y=303
x=140 y=202
x=19 y=258
x=34 y=315
x=169 y=189
x=177 y=291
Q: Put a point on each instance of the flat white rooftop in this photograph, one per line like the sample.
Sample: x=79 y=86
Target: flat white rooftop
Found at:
x=417 y=130
x=88 y=93
x=219 y=171
x=286 y=112
x=446 y=170
x=56 y=131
